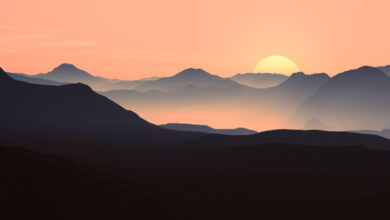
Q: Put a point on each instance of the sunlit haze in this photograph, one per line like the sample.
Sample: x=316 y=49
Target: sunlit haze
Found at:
x=137 y=39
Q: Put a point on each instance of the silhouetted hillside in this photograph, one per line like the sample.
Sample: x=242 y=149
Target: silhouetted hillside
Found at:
x=259 y=80
x=384 y=133
x=299 y=137
x=40 y=186
x=71 y=111
x=352 y=100
x=207 y=129
x=272 y=180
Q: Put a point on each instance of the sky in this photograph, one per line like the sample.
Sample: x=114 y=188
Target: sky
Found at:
x=131 y=39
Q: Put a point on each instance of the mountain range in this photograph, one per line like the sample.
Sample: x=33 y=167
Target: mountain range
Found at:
x=352 y=100
x=67 y=152
x=293 y=102
x=71 y=111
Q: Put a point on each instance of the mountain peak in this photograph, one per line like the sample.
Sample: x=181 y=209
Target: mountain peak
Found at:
x=68 y=69
x=191 y=72
x=66 y=66
x=364 y=72
x=301 y=75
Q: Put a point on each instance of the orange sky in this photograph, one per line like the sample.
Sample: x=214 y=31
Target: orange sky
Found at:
x=132 y=39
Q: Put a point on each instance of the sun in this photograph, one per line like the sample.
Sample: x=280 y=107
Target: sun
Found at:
x=276 y=64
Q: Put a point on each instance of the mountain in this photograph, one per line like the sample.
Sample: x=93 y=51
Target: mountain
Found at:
x=68 y=73
x=71 y=111
x=384 y=133
x=207 y=129
x=195 y=92
x=298 y=137
x=291 y=93
x=34 y=80
x=352 y=100
x=299 y=84
x=385 y=69
x=259 y=80
x=188 y=77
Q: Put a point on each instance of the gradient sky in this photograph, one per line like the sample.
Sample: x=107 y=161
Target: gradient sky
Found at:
x=132 y=39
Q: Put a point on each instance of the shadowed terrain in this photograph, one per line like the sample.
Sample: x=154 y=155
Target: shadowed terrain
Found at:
x=118 y=166
x=207 y=129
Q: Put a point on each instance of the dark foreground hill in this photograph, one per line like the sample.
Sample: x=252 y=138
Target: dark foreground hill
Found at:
x=40 y=186
x=300 y=137
x=72 y=111
x=275 y=181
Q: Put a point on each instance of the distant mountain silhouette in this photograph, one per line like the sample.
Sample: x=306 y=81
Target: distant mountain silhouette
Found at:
x=300 y=83
x=34 y=80
x=67 y=73
x=188 y=77
x=352 y=100
x=259 y=80
x=180 y=93
x=207 y=129
x=73 y=111
x=292 y=92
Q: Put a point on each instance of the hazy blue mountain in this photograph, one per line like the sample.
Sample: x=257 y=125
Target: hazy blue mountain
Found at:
x=300 y=84
x=34 y=80
x=188 y=77
x=68 y=73
x=71 y=110
x=259 y=80
x=249 y=105
x=293 y=91
x=207 y=129
x=352 y=100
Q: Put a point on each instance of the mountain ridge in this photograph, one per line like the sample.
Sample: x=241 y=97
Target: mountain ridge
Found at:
x=349 y=99
x=72 y=110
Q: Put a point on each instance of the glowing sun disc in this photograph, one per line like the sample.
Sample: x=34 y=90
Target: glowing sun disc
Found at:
x=276 y=64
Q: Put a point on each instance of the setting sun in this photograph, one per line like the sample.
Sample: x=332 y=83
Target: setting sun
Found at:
x=276 y=64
